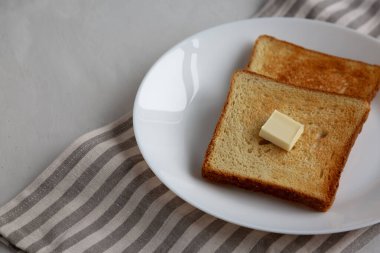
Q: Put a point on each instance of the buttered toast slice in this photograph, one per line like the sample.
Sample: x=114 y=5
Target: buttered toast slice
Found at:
x=310 y=172
x=286 y=62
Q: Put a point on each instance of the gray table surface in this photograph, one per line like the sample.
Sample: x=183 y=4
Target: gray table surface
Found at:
x=68 y=67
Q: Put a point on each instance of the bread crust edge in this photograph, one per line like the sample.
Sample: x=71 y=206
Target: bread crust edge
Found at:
x=260 y=186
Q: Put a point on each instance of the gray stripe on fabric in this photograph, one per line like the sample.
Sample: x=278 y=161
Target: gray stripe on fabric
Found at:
x=48 y=185
x=131 y=221
x=234 y=240
x=74 y=190
x=10 y=246
x=318 y=8
x=265 y=242
x=202 y=237
x=295 y=8
x=155 y=225
x=338 y=14
x=110 y=213
x=275 y=8
x=365 y=17
x=329 y=242
x=65 y=224
x=376 y=31
x=178 y=230
x=264 y=7
x=282 y=11
x=363 y=239
x=297 y=244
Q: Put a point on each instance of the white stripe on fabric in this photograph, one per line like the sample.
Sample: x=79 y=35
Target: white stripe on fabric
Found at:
x=58 y=161
x=265 y=8
x=118 y=220
x=370 y=24
x=272 y=10
x=250 y=241
x=337 y=6
x=192 y=232
x=356 y=13
x=64 y=184
x=346 y=240
x=78 y=201
x=306 y=7
x=281 y=243
x=285 y=8
x=313 y=244
x=107 y=202
x=371 y=246
x=219 y=238
x=144 y=222
x=95 y=214
x=166 y=228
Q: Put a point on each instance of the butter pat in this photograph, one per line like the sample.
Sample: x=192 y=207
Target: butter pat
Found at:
x=281 y=130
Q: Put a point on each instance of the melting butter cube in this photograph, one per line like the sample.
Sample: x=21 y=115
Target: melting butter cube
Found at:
x=281 y=130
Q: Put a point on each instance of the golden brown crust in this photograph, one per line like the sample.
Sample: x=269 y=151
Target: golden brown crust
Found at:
x=320 y=71
x=254 y=52
x=340 y=166
x=257 y=185
x=306 y=49
x=287 y=83
x=215 y=174
x=216 y=131
x=347 y=148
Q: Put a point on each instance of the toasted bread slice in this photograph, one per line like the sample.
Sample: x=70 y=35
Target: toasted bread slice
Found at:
x=286 y=62
x=310 y=172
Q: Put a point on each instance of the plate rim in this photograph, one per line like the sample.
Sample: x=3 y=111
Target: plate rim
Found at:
x=205 y=210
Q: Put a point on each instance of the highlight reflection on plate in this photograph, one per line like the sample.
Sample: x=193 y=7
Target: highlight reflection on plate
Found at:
x=181 y=97
x=179 y=76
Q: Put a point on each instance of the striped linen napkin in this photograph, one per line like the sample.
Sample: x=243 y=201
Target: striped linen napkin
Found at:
x=100 y=196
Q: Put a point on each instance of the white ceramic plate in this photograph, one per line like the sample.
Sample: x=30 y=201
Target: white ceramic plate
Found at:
x=181 y=97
